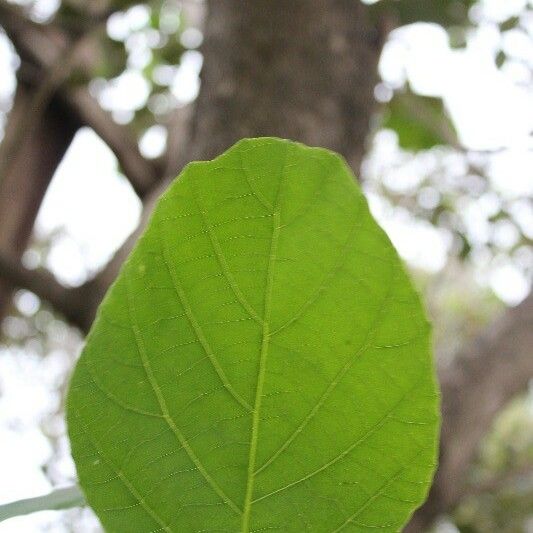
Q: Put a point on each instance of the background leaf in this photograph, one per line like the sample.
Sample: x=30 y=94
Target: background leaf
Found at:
x=421 y=122
x=444 y=12
x=262 y=361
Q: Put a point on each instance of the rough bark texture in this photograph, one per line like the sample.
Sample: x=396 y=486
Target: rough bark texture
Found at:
x=287 y=68
x=31 y=169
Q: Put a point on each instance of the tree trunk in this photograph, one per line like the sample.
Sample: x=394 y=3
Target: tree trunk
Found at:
x=30 y=169
x=295 y=69
x=287 y=68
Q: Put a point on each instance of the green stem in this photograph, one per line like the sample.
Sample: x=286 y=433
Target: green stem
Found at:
x=58 y=499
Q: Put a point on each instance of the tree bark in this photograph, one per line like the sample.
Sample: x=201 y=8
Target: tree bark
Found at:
x=287 y=68
x=483 y=378
x=48 y=55
x=31 y=169
x=70 y=302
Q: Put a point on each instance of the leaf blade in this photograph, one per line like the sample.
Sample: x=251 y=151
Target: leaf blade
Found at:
x=261 y=281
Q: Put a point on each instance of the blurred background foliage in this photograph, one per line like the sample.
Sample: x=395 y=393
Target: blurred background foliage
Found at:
x=145 y=69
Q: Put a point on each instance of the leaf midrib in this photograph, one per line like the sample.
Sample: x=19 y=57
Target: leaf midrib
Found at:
x=265 y=343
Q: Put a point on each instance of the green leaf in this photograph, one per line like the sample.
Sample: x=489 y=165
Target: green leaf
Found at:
x=56 y=500
x=500 y=59
x=444 y=12
x=420 y=122
x=510 y=24
x=262 y=361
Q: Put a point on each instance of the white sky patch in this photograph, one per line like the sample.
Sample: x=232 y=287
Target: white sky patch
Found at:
x=7 y=63
x=509 y=283
x=421 y=244
x=488 y=109
x=92 y=207
x=498 y=10
x=153 y=142
x=186 y=83
x=127 y=92
x=26 y=398
x=427 y=57
x=511 y=173
x=29 y=383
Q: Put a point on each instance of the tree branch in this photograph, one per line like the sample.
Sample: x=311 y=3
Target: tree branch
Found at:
x=40 y=129
x=482 y=379
x=58 y=73
x=141 y=173
x=43 y=47
x=69 y=302
x=22 y=189
x=34 y=42
x=178 y=127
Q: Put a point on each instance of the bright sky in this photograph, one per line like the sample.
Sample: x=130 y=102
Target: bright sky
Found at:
x=92 y=208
